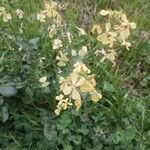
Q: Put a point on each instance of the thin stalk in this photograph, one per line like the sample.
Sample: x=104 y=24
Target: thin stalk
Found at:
x=88 y=121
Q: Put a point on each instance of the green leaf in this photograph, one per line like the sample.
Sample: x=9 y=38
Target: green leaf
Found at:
x=34 y=42
x=8 y=90
x=49 y=131
x=108 y=87
x=1 y=101
x=5 y=114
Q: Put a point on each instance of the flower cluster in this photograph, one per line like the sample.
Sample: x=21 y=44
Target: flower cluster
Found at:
x=117 y=31
x=50 y=11
x=6 y=16
x=77 y=83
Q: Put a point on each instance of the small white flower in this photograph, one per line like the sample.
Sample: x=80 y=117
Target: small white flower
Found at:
x=19 y=13
x=6 y=17
x=43 y=79
x=45 y=84
x=52 y=30
x=2 y=11
x=83 y=51
x=57 y=44
x=73 y=53
x=104 y=12
x=41 y=59
x=59 y=71
x=41 y=17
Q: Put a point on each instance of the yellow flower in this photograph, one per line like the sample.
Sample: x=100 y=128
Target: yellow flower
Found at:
x=50 y=9
x=125 y=22
x=86 y=87
x=19 y=13
x=95 y=96
x=80 y=67
x=69 y=37
x=91 y=79
x=109 y=37
x=123 y=30
x=50 y=13
x=62 y=104
x=52 y=30
x=62 y=59
x=74 y=85
x=132 y=25
x=69 y=85
x=6 y=17
x=78 y=103
x=57 y=44
x=51 y=5
x=110 y=13
x=88 y=84
x=57 y=111
x=96 y=28
x=41 y=17
x=127 y=44
x=111 y=55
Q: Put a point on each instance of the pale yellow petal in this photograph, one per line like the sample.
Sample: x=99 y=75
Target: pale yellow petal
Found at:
x=67 y=90
x=113 y=34
x=132 y=25
x=78 y=103
x=86 y=87
x=43 y=79
x=45 y=84
x=61 y=64
x=61 y=79
x=96 y=28
x=93 y=82
x=74 y=78
x=75 y=94
x=103 y=39
x=80 y=82
x=95 y=96
x=108 y=26
x=104 y=12
x=73 y=52
x=124 y=18
x=57 y=112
